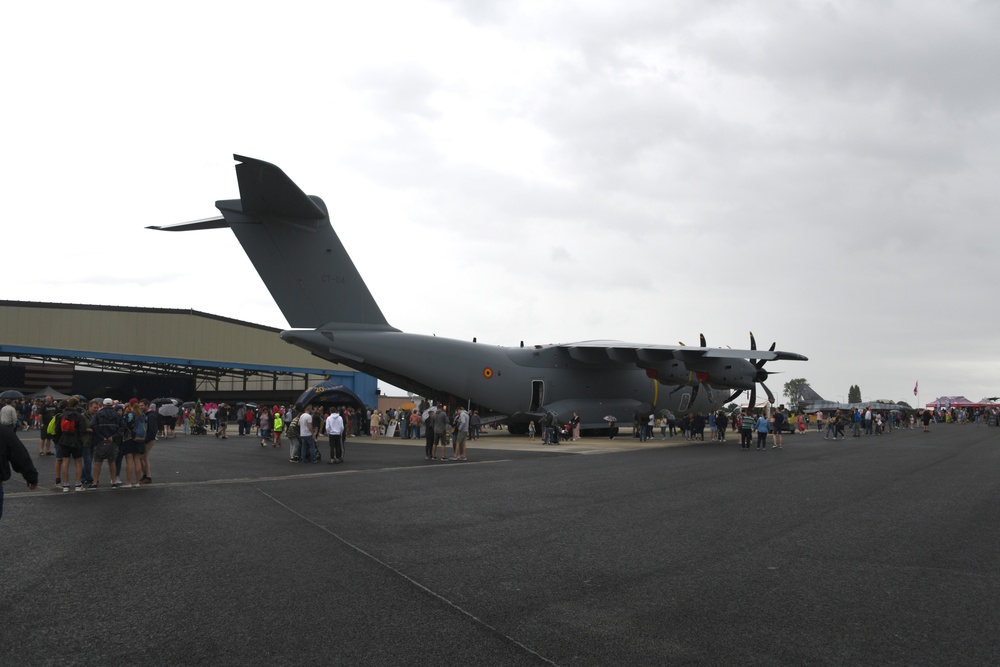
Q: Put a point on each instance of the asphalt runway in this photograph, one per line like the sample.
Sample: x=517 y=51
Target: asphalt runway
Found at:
x=878 y=550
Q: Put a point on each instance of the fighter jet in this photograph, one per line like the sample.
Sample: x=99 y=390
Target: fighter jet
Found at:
x=292 y=244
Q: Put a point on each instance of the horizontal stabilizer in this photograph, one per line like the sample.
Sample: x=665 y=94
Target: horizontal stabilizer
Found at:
x=195 y=225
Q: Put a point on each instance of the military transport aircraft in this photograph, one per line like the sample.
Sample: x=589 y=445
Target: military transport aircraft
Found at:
x=288 y=237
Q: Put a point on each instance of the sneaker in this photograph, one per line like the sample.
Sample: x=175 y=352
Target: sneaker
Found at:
x=332 y=461
x=115 y=485
x=79 y=487
x=58 y=481
x=65 y=488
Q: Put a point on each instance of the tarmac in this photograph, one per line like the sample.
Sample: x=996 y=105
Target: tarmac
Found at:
x=875 y=550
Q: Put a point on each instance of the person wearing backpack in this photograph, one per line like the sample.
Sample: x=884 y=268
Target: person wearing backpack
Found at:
x=133 y=443
x=69 y=442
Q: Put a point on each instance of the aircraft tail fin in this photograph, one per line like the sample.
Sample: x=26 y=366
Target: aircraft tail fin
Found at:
x=809 y=395
x=288 y=236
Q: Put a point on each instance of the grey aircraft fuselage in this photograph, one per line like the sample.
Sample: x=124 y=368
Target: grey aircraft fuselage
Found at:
x=515 y=381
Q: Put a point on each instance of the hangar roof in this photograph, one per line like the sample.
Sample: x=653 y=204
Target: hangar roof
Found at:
x=150 y=339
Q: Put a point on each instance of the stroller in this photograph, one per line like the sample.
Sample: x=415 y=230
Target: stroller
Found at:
x=199 y=425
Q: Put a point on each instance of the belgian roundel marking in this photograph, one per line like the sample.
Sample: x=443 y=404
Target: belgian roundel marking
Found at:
x=487 y=372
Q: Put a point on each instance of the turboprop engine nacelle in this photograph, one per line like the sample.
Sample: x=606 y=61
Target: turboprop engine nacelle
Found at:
x=729 y=373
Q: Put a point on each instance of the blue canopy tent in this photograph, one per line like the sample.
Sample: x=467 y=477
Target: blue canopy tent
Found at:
x=329 y=392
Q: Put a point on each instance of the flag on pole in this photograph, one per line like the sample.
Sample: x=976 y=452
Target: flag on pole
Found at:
x=915 y=387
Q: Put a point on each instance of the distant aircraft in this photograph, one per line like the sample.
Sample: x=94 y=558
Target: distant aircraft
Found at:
x=288 y=237
x=812 y=402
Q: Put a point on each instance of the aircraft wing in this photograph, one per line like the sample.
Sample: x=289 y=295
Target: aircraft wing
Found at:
x=600 y=352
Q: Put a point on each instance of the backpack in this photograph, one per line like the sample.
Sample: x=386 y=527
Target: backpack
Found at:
x=140 y=427
x=67 y=424
x=51 y=428
x=68 y=428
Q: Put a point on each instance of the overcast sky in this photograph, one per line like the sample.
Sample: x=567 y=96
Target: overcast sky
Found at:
x=824 y=174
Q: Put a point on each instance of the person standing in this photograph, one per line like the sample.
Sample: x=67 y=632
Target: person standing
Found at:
x=278 y=426
x=721 y=421
x=264 y=426
x=374 y=424
x=134 y=443
x=698 y=427
x=69 y=441
x=925 y=419
x=779 y=426
x=335 y=432
x=294 y=443
x=574 y=426
x=747 y=425
x=222 y=417
x=762 y=428
x=475 y=425
x=88 y=443
x=308 y=441
x=152 y=417
x=429 y=434
x=14 y=456
x=107 y=427
x=48 y=411
x=441 y=427
x=461 y=433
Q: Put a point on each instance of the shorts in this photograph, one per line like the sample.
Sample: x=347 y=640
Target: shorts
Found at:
x=136 y=447
x=461 y=437
x=67 y=452
x=111 y=457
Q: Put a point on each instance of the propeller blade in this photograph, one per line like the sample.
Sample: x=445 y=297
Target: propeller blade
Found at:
x=753 y=397
x=770 y=396
x=703 y=344
x=733 y=396
x=753 y=343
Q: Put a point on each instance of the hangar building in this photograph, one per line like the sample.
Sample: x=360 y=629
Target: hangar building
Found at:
x=123 y=352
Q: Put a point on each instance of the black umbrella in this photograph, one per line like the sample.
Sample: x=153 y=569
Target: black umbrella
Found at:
x=166 y=401
x=11 y=393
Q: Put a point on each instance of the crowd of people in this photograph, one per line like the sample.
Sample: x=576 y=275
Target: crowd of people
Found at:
x=84 y=435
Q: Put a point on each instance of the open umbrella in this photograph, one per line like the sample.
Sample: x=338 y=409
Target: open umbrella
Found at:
x=11 y=393
x=610 y=418
x=409 y=405
x=166 y=401
x=168 y=410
